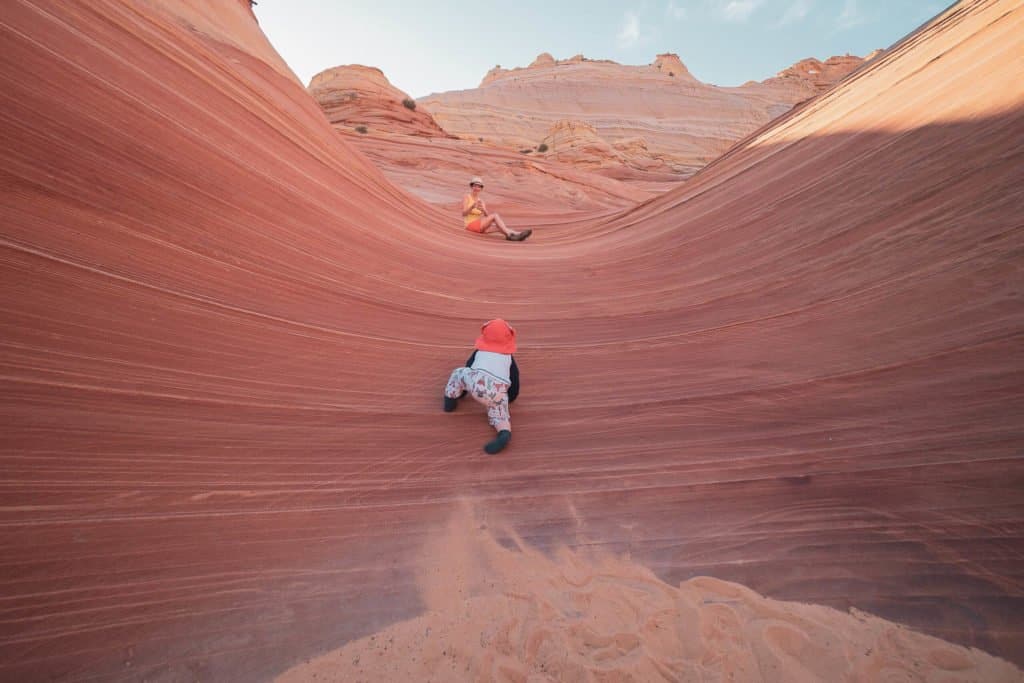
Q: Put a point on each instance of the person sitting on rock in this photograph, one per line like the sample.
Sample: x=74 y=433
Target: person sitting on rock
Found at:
x=478 y=219
x=492 y=377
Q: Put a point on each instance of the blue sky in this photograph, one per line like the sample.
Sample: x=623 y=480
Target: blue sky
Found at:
x=440 y=45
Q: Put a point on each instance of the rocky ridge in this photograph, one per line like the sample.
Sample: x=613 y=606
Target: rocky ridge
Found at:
x=361 y=97
x=654 y=120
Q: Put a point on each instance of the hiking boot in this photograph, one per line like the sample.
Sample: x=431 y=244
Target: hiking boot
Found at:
x=499 y=442
x=520 y=236
x=450 y=404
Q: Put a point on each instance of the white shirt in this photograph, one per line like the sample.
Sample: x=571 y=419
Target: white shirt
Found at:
x=497 y=364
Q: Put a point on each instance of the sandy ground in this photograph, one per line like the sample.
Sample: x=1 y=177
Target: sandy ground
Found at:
x=499 y=610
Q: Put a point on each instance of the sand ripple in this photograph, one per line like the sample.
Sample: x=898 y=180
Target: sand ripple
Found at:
x=499 y=610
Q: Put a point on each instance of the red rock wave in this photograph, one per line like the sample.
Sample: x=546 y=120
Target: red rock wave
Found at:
x=225 y=333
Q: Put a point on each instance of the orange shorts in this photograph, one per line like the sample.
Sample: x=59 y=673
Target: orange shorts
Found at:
x=474 y=226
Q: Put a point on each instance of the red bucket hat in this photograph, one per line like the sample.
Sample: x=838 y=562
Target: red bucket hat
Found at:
x=497 y=336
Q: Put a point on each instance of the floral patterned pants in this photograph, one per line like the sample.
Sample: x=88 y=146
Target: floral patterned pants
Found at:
x=486 y=389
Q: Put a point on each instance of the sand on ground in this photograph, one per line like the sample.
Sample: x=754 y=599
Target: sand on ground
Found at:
x=497 y=609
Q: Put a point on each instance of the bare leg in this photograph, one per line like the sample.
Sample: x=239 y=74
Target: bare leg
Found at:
x=501 y=225
x=494 y=220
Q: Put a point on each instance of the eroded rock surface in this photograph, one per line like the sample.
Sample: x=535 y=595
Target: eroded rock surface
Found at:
x=684 y=123
x=357 y=96
x=225 y=334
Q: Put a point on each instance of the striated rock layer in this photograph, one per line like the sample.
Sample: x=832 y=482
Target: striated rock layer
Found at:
x=225 y=334
x=816 y=76
x=643 y=122
x=415 y=153
x=532 y=192
x=573 y=162
x=359 y=96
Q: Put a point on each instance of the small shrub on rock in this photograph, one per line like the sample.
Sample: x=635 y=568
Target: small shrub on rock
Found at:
x=542 y=148
x=362 y=129
x=409 y=103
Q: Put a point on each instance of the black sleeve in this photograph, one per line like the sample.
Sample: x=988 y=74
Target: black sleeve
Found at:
x=513 y=390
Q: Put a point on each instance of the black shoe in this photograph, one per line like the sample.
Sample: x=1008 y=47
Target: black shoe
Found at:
x=499 y=442
x=519 y=236
x=450 y=404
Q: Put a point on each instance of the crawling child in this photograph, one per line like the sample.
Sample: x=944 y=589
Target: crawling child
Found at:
x=492 y=377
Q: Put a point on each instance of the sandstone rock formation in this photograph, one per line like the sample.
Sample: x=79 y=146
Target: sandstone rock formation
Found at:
x=360 y=99
x=414 y=152
x=543 y=60
x=684 y=123
x=225 y=334
x=357 y=96
x=814 y=76
x=669 y=63
x=438 y=171
x=579 y=144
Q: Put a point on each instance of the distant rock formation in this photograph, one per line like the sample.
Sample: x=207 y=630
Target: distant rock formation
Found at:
x=543 y=60
x=597 y=113
x=817 y=75
x=408 y=146
x=579 y=143
x=669 y=63
x=356 y=96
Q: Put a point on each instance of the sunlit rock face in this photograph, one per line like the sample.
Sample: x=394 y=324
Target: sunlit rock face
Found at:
x=683 y=122
x=361 y=96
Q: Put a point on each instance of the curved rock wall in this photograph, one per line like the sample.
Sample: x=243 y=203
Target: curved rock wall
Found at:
x=225 y=335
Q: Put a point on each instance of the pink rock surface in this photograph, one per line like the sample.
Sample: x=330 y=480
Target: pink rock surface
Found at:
x=361 y=96
x=818 y=76
x=539 y=191
x=225 y=334
x=683 y=122
x=410 y=148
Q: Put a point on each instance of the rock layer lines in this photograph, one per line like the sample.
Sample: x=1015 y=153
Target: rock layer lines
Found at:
x=644 y=122
x=225 y=334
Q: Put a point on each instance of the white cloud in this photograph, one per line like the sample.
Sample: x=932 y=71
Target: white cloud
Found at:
x=674 y=12
x=630 y=33
x=796 y=12
x=739 y=10
x=850 y=16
